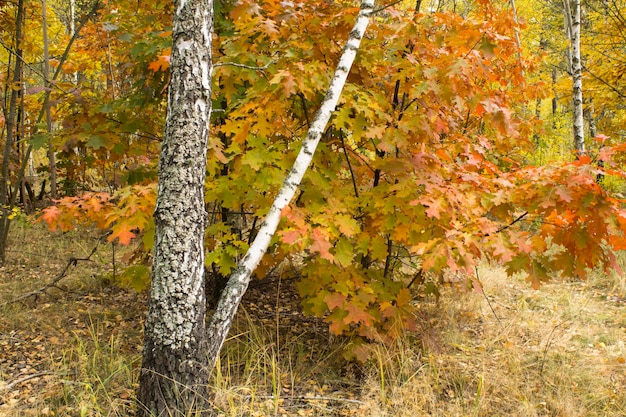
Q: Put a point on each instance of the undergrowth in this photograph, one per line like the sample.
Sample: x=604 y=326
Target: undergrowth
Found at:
x=510 y=351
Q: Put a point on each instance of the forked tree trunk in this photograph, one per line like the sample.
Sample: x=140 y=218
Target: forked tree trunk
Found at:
x=174 y=375
x=177 y=355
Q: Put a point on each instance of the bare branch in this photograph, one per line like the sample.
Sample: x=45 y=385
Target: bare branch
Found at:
x=71 y=262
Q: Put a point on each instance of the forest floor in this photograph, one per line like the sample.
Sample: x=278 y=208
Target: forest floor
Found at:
x=75 y=348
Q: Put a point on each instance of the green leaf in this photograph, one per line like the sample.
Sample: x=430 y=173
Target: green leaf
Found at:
x=39 y=141
x=343 y=252
x=95 y=142
x=487 y=47
x=136 y=277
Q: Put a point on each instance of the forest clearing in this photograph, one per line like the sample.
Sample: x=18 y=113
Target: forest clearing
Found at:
x=330 y=207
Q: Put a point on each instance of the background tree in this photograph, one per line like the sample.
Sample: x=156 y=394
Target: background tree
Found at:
x=573 y=27
x=14 y=90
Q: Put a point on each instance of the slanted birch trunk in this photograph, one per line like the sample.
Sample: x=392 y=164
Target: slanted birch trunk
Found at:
x=174 y=375
x=238 y=282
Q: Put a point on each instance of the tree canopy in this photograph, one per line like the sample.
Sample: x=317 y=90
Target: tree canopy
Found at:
x=450 y=146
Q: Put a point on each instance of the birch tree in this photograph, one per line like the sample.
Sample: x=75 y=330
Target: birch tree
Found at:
x=174 y=374
x=179 y=352
x=572 y=23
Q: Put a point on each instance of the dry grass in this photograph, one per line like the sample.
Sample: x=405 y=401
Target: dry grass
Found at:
x=558 y=351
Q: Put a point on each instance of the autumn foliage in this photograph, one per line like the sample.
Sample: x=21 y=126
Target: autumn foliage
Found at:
x=424 y=172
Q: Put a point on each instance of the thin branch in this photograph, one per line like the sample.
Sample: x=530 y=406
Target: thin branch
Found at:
x=386 y=6
x=31 y=67
x=71 y=262
x=23 y=379
x=345 y=152
x=520 y=218
x=487 y=298
x=250 y=67
x=619 y=93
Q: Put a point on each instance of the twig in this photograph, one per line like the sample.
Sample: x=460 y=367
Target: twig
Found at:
x=18 y=381
x=503 y=228
x=308 y=398
x=71 y=262
x=386 y=6
x=345 y=152
x=250 y=67
x=482 y=289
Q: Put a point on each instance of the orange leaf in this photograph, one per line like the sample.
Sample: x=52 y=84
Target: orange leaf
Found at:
x=321 y=244
x=50 y=216
x=162 y=63
x=123 y=233
x=334 y=300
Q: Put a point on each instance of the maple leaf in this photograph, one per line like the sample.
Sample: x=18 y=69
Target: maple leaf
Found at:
x=122 y=232
x=288 y=81
x=403 y=298
x=321 y=244
x=563 y=194
x=487 y=47
x=343 y=252
x=334 y=300
x=435 y=207
x=290 y=236
x=50 y=216
x=357 y=315
x=388 y=309
x=162 y=63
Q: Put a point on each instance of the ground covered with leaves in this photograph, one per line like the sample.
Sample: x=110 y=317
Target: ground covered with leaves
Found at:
x=74 y=348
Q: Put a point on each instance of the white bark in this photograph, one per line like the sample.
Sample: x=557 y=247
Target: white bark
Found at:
x=174 y=372
x=46 y=81
x=572 y=20
x=238 y=282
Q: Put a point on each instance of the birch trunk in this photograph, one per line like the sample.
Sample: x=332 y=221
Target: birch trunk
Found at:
x=572 y=18
x=174 y=375
x=238 y=283
x=46 y=72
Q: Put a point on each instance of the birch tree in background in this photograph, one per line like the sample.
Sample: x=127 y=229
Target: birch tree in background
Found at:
x=572 y=25
x=179 y=353
x=47 y=104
